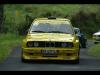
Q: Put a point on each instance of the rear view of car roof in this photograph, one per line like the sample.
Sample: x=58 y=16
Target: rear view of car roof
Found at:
x=62 y=19
x=52 y=20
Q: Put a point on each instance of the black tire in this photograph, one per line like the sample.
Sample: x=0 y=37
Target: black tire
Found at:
x=76 y=61
x=24 y=60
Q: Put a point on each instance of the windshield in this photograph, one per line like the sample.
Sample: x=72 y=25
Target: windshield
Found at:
x=51 y=28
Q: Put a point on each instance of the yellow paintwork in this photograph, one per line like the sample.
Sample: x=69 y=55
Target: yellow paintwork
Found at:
x=51 y=37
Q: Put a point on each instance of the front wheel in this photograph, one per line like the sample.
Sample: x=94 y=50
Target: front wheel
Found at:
x=23 y=60
x=76 y=61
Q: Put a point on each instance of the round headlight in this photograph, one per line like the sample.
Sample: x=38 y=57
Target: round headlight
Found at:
x=64 y=44
x=36 y=44
x=70 y=44
x=29 y=44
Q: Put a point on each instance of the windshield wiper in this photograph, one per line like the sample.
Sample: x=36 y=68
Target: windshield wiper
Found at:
x=56 y=32
x=51 y=32
x=39 y=31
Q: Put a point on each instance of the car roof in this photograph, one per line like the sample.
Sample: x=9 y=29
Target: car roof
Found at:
x=63 y=19
x=52 y=20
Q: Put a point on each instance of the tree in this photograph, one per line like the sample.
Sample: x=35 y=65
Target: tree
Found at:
x=1 y=17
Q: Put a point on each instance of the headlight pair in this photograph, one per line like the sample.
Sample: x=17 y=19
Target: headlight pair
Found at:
x=67 y=44
x=32 y=44
x=63 y=44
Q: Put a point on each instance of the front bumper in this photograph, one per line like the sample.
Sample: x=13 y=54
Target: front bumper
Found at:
x=64 y=54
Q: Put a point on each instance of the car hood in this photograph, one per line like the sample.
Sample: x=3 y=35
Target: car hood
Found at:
x=50 y=37
x=97 y=33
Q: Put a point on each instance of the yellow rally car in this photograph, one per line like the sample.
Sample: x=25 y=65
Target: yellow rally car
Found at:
x=51 y=39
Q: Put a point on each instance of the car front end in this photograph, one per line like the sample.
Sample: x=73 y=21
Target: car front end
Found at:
x=54 y=49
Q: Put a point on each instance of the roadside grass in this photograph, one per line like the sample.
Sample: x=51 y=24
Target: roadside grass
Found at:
x=7 y=43
x=94 y=51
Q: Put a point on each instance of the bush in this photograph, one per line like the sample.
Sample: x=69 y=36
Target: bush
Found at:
x=23 y=27
x=87 y=22
x=87 y=19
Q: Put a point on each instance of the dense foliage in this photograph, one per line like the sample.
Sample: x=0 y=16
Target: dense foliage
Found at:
x=18 y=17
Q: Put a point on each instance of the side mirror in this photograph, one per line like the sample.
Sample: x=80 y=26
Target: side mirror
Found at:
x=75 y=32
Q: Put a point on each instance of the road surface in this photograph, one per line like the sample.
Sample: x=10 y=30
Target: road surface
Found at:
x=87 y=63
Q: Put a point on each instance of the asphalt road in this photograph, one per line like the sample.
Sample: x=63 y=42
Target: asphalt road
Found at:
x=87 y=63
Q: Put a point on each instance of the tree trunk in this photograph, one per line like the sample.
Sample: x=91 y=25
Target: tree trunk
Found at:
x=1 y=17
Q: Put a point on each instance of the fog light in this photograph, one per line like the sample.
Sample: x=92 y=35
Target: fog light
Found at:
x=69 y=54
x=30 y=53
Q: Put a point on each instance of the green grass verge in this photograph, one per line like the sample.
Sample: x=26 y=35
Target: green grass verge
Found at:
x=94 y=50
x=7 y=43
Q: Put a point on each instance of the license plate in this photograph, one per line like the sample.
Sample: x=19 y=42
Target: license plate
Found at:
x=49 y=51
